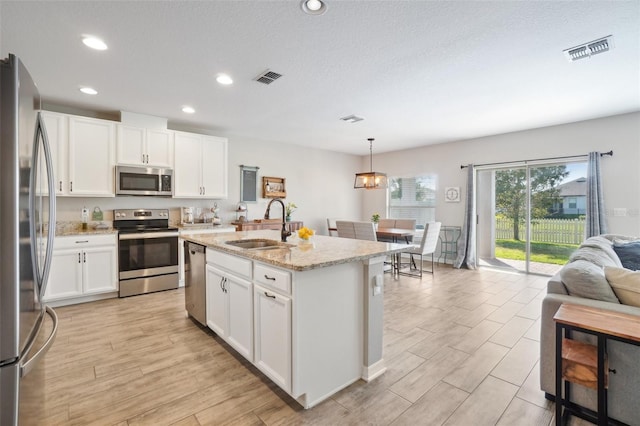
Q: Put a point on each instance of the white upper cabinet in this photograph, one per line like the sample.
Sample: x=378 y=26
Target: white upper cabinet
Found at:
x=91 y=157
x=200 y=166
x=144 y=147
x=57 y=134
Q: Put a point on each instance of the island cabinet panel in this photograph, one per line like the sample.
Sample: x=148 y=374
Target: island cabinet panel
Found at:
x=328 y=323
x=275 y=279
x=309 y=326
x=272 y=335
x=216 y=301
x=229 y=308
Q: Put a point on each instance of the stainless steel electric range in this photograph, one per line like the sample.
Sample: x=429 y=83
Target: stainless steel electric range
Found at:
x=147 y=251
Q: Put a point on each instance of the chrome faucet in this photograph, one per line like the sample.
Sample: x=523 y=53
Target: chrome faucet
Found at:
x=284 y=233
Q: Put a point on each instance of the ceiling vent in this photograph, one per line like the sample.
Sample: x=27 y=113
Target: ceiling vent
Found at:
x=589 y=49
x=267 y=77
x=352 y=119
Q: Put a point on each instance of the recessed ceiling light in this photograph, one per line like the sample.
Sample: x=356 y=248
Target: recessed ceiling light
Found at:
x=224 y=79
x=188 y=109
x=94 y=43
x=88 y=91
x=313 y=7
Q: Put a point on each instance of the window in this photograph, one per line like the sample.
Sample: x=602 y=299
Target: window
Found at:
x=573 y=202
x=413 y=198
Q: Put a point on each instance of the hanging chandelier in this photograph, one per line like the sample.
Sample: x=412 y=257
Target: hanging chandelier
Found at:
x=370 y=180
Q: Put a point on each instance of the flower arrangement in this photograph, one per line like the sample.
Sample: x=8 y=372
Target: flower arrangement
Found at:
x=375 y=217
x=305 y=233
x=290 y=208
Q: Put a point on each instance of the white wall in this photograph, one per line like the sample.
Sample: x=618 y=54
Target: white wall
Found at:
x=620 y=173
x=319 y=182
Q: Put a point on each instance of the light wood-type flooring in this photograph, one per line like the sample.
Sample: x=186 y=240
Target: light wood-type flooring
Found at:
x=461 y=348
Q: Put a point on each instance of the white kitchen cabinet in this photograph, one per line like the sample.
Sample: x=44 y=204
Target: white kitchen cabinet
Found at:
x=200 y=166
x=272 y=335
x=82 y=265
x=144 y=147
x=57 y=134
x=65 y=276
x=91 y=154
x=230 y=308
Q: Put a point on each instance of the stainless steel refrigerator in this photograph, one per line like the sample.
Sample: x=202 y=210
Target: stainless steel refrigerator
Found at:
x=27 y=227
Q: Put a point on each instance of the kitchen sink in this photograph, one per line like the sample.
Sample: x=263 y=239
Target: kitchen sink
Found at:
x=258 y=244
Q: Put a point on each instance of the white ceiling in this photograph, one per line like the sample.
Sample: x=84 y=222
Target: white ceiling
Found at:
x=419 y=72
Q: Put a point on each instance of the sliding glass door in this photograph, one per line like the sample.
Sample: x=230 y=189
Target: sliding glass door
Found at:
x=530 y=216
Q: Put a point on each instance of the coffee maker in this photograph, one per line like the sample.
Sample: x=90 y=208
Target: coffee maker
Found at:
x=186 y=215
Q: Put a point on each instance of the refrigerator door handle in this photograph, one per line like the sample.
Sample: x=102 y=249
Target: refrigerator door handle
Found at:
x=28 y=366
x=51 y=231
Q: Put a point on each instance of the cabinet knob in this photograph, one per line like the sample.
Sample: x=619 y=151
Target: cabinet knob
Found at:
x=269 y=295
x=269 y=278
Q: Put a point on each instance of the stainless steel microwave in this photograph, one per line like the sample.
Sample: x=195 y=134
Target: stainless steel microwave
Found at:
x=131 y=180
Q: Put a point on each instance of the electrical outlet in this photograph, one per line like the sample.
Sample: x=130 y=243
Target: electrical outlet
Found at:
x=619 y=211
x=377 y=285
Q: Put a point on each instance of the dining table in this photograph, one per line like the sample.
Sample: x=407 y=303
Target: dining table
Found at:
x=394 y=234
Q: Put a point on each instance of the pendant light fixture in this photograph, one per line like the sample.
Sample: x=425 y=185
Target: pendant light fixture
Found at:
x=370 y=180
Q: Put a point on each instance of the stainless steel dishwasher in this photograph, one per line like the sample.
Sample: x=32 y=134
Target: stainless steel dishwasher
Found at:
x=194 y=281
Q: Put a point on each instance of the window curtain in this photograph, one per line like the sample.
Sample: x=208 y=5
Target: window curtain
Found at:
x=596 y=220
x=466 y=247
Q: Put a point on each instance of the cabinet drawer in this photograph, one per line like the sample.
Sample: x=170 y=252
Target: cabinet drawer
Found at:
x=234 y=264
x=275 y=278
x=80 y=241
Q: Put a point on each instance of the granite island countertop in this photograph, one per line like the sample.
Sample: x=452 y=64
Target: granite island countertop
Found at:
x=320 y=252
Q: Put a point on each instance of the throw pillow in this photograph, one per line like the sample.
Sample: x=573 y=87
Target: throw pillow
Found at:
x=625 y=284
x=584 y=279
x=629 y=254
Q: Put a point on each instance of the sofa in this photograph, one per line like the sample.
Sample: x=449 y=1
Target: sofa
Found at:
x=588 y=279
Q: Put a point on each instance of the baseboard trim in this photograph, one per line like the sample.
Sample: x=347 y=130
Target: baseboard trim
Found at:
x=372 y=371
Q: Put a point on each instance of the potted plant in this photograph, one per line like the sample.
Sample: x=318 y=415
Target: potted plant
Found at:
x=288 y=209
x=375 y=218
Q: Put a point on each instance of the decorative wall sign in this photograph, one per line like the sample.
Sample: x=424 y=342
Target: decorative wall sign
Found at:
x=273 y=187
x=248 y=183
x=452 y=194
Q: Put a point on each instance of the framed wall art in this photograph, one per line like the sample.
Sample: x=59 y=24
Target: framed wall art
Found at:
x=248 y=184
x=273 y=187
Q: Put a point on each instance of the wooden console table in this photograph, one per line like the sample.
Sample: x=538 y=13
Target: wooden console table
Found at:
x=253 y=226
x=578 y=362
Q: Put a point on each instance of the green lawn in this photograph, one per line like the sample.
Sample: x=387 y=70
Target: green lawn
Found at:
x=557 y=254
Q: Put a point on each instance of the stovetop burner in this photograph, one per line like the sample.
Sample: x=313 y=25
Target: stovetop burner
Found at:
x=142 y=220
x=146 y=229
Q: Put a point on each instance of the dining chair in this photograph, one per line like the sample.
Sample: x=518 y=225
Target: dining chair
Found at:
x=387 y=223
x=331 y=227
x=427 y=246
x=406 y=224
x=345 y=229
x=365 y=231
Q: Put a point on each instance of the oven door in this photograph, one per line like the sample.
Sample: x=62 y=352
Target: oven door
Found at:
x=145 y=254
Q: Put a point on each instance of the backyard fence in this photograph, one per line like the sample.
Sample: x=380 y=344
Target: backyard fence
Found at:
x=563 y=231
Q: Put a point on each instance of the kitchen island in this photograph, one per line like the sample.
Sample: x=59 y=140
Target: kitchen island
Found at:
x=309 y=315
